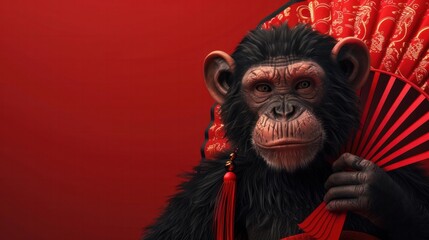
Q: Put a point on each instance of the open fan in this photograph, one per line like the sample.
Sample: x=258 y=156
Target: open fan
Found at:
x=394 y=133
x=394 y=101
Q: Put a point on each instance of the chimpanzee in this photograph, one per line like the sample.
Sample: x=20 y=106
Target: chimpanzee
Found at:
x=288 y=102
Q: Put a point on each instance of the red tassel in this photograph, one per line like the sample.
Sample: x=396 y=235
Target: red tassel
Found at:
x=225 y=205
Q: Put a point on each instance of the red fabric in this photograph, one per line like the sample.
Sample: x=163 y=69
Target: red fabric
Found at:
x=321 y=16
x=343 y=18
x=297 y=13
x=406 y=25
x=388 y=15
x=366 y=19
x=420 y=75
x=216 y=144
x=415 y=58
x=395 y=31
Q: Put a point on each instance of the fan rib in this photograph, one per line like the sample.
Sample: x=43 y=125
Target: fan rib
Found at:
x=376 y=114
x=395 y=126
x=399 y=138
x=404 y=149
x=366 y=109
x=387 y=117
x=414 y=159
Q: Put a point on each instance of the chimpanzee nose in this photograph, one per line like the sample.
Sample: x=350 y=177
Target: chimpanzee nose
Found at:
x=285 y=110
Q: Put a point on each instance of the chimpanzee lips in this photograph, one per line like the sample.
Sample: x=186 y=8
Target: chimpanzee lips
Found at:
x=289 y=142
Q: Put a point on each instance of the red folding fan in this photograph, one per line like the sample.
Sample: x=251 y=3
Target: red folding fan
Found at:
x=394 y=101
x=394 y=133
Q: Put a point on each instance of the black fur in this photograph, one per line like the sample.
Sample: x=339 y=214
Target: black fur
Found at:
x=270 y=203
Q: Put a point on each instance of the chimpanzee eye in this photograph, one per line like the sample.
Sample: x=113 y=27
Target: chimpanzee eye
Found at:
x=303 y=84
x=263 y=87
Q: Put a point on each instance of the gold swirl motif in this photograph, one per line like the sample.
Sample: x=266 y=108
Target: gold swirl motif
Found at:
x=416 y=46
x=404 y=22
x=425 y=86
x=339 y=19
x=217 y=147
x=363 y=17
x=378 y=37
x=315 y=6
x=414 y=49
x=286 y=12
x=389 y=63
x=377 y=42
x=421 y=72
x=401 y=32
x=311 y=9
x=305 y=18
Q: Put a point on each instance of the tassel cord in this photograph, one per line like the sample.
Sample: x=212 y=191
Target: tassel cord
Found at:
x=225 y=204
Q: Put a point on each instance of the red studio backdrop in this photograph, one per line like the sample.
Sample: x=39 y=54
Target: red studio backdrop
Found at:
x=102 y=107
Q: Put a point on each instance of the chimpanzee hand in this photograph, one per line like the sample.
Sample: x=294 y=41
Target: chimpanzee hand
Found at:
x=360 y=186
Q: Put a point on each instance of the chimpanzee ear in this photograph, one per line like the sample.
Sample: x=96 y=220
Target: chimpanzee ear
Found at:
x=218 y=67
x=353 y=57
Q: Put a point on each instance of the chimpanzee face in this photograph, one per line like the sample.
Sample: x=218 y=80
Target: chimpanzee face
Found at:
x=288 y=93
x=282 y=94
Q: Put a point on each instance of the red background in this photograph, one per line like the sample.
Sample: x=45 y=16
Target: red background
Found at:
x=102 y=106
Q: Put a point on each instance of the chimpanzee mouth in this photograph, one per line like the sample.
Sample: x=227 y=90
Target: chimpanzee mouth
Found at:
x=289 y=142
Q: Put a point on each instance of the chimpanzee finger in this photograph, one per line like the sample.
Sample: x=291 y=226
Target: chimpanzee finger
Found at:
x=344 y=192
x=344 y=178
x=347 y=161
x=352 y=204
